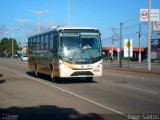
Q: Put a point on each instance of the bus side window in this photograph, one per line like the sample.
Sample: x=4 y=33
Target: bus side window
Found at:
x=51 y=42
x=55 y=45
x=34 y=44
x=42 y=43
x=46 y=42
x=30 y=44
x=38 y=43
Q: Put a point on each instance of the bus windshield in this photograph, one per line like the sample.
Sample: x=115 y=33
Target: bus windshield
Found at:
x=80 y=47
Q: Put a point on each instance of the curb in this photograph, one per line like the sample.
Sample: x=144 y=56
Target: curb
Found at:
x=133 y=70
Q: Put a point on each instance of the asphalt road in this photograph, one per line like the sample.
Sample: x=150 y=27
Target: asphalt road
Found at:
x=117 y=95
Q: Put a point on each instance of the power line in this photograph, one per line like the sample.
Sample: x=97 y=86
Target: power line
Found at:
x=131 y=19
x=131 y=26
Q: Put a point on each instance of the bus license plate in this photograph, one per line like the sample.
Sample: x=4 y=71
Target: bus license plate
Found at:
x=96 y=70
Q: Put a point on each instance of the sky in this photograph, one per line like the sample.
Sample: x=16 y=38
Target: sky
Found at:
x=102 y=14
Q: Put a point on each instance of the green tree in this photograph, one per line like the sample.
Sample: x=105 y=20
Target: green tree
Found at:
x=6 y=45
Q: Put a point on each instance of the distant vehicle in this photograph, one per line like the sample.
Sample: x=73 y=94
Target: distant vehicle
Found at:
x=65 y=52
x=157 y=60
x=24 y=57
x=15 y=56
x=146 y=60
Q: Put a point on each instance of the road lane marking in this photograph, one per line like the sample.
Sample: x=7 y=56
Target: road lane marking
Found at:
x=139 y=89
x=69 y=92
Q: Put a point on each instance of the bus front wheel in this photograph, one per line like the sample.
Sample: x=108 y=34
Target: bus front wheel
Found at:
x=89 y=79
x=37 y=74
x=53 y=77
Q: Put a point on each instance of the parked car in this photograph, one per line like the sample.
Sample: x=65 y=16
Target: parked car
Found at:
x=15 y=56
x=146 y=60
x=157 y=60
x=24 y=58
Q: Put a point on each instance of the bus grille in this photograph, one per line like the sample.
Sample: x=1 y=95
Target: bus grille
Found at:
x=79 y=73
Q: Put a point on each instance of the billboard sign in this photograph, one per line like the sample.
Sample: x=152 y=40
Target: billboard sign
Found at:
x=156 y=26
x=155 y=14
x=155 y=48
x=128 y=48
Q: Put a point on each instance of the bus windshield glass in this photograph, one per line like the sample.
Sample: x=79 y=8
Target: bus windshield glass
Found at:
x=80 y=47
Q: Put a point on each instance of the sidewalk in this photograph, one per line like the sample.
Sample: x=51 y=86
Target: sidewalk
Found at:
x=132 y=66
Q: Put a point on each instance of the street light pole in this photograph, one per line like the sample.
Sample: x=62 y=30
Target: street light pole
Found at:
x=38 y=13
x=3 y=33
x=68 y=12
x=149 y=39
x=12 y=28
x=22 y=35
x=139 y=55
x=22 y=21
x=12 y=47
x=38 y=26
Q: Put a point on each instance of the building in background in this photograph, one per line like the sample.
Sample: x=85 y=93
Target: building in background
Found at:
x=107 y=51
x=155 y=49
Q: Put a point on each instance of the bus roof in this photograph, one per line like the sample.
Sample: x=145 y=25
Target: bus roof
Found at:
x=59 y=28
x=72 y=27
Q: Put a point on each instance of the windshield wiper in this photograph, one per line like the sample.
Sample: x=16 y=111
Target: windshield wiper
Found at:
x=75 y=53
x=92 y=58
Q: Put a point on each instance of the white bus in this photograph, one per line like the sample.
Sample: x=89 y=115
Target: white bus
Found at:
x=65 y=52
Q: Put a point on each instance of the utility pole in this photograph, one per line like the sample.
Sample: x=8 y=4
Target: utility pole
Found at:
x=113 y=32
x=139 y=55
x=120 y=46
x=120 y=38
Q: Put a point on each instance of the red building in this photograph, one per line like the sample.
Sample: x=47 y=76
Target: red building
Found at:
x=107 y=50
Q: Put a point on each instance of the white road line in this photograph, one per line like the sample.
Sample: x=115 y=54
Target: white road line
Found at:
x=71 y=93
x=139 y=89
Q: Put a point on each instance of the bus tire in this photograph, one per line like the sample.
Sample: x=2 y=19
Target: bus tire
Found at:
x=89 y=79
x=54 y=80
x=37 y=74
x=53 y=77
